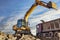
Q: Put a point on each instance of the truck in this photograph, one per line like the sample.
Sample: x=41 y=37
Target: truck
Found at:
x=48 y=29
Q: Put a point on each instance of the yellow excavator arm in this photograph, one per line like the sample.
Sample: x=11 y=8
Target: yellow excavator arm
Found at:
x=41 y=3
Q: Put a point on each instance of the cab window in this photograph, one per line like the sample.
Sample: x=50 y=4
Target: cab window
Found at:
x=19 y=23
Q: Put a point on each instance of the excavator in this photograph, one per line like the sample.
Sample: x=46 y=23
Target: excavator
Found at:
x=22 y=24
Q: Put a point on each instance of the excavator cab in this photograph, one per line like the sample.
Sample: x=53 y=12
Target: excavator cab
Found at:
x=21 y=22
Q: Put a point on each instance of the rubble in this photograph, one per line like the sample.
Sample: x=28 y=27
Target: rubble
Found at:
x=28 y=37
x=4 y=36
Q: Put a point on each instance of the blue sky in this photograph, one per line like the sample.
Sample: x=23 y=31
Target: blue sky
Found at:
x=12 y=10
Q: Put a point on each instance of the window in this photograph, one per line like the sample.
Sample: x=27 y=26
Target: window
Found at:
x=19 y=23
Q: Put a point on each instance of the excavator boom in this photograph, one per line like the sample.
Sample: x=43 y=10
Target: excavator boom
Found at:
x=41 y=3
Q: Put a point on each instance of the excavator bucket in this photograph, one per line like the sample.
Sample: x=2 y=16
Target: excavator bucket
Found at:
x=52 y=5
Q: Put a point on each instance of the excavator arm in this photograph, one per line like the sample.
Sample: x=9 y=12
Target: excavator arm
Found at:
x=41 y=3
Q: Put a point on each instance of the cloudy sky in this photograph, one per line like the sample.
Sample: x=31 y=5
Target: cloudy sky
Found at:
x=12 y=10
